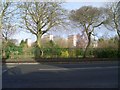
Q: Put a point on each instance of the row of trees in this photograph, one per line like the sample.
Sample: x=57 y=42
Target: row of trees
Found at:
x=40 y=17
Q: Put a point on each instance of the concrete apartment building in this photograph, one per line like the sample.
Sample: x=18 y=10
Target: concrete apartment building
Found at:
x=29 y=42
x=76 y=41
x=79 y=41
x=46 y=38
x=61 y=42
x=72 y=41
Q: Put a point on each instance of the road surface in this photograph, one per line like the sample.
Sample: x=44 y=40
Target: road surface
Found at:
x=82 y=75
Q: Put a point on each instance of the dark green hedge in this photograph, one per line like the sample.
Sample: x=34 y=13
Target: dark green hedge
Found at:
x=58 y=52
x=106 y=53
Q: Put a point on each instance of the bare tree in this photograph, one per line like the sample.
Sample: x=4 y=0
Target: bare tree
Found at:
x=114 y=19
x=88 y=18
x=118 y=6
x=7 y=26
x=40 y=17
x=3 y=8
x=7 y=31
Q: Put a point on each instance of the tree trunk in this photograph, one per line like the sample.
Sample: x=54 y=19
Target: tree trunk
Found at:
x=118 y=43
x=119 y=47
x=88 y=44
x=38 y=51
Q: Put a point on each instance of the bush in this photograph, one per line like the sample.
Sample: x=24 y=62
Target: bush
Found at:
x=72 y=52
x=90 y=52
x=37 y=52
x=106 y=53
x=52 y=52
x=79 y=52
x=64 y=54
x=12 y=51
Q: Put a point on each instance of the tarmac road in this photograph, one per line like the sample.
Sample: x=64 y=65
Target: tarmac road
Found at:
x=81 y=75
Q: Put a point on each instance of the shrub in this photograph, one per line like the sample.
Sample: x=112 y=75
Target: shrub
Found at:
x=106 y=53
x=64 y=54
x=90 y=52
x=79 y=52
x=52 y=52
x=72 y=52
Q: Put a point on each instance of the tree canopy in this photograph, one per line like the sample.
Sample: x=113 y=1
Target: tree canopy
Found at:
x=88 y=18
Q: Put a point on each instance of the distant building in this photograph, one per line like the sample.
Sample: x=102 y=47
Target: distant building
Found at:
x=94 y=42
x=61 y=42
x=51 y=37
x=46 y=38
x=29 y=43
x=72 y=41
x=81 y=41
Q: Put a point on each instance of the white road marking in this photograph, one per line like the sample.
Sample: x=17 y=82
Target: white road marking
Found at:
x=54 y=69
x=8 y=67
x=21 y=63
x=66 y=69
x=4 y=71
x=87 y=68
